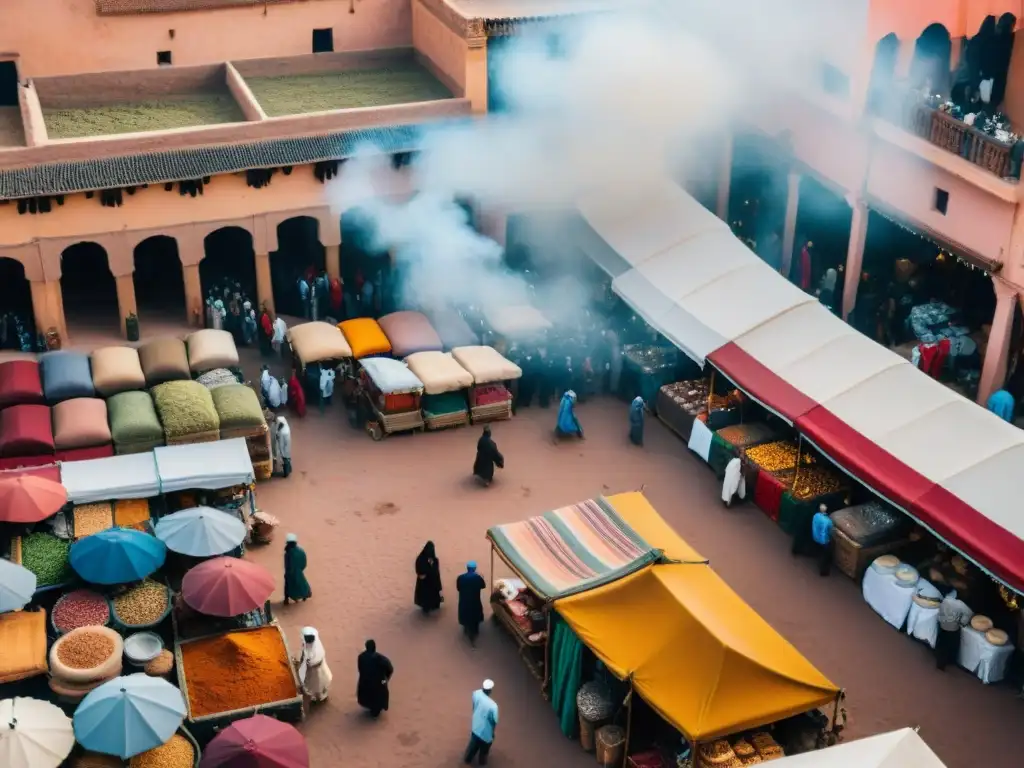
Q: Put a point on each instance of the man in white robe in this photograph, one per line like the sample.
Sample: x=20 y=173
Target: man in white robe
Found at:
x=314 y=673
x=734 y=482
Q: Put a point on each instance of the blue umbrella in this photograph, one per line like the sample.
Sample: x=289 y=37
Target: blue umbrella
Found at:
x=117 y=556
x=129 y=715
x=201 y=532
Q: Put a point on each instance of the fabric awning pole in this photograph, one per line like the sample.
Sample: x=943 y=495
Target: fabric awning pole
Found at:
x=491 y=575
x=547 y=652
x=799 y=450
x=629 y=723
x=711 y=389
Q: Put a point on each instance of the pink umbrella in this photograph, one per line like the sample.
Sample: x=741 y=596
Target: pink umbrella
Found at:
x=29 y=499
x=257 y=742
x=227 y=586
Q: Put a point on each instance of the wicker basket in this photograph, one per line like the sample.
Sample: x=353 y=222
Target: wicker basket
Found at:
x=120 y=626
x=588 y=733
x=611 y=746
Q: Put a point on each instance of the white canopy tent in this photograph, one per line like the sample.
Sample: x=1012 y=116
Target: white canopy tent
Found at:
x=898 y=749
x=208 y=466
x=132 y=476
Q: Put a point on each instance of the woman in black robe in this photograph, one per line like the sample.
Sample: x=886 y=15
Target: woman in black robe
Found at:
x=375 y=671
x=487 y=457
x=428 y=580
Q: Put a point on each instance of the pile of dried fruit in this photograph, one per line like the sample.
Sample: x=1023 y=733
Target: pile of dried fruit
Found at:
x=773 y=457
x=141 y=605
x=47 y=557
x=81 y=608
x=176 y=753
x=85 y=650
x=129 y=513
x=812 y=482
x=92 y=518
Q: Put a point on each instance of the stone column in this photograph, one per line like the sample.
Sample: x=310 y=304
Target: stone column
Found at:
x=855 y=256
x=993 y=371
x=264 y=285
x=725 y=180
x=789 y=228
x=193 y=295
x=126 y=298
x=48 y=307
x=476 y=74
x=332 y=257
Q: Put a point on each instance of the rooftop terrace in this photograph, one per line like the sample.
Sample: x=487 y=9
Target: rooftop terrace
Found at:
x=173 y=112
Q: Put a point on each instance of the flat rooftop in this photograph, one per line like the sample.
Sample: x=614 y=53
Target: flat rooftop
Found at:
x=399 y=83
x=187 y=111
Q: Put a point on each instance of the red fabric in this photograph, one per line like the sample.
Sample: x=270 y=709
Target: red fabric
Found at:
x=336 y=296
x=84 y=454
x=25 y=430
x=933 y=357
x=23 y=462
x=266 y=324
x=20 y=383
x=805 y=268
x=647 y=760
x=768 y=492
x=46 y=472
x=296 y=396
x=760 y=382
x=488 y=394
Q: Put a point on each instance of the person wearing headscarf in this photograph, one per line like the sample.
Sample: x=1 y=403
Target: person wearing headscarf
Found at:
x=265 y=379
x=827 y=295
x=482 y=725
x=295 y=585
x=273 y=395
x=1001 y=403
x=487 y=457
x=375 y=671
x=336 y=296
x=280 y=329
x=251 y=327
x=303 y=288
x=806 y=265
x=314 y=673
x=284 y=445
x=567 y=423
x=296 y=394
x=219 y=313
x=471 y=608
x=327 y=376
x=636 y=421
x=428 y=580
x=266 y=332
x=734 y=483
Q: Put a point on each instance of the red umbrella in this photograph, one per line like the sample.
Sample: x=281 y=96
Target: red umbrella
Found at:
x=257 y=742
x=227 y=586
x=29 y=499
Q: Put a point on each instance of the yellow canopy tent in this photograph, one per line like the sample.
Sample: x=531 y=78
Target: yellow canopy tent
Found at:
x=636 y=510
x=697 y=654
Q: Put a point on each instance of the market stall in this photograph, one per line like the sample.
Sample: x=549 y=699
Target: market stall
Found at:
x=20 y=383
x=134 y=424
x=393 y=393
x=132 y=476
x=65 y=375
x=452 y=328
x=319 y=345
x=208 y=466
x=679 y=404
x=864 y=532
x=187 y=413
x=240 y=414
x=365 y=337
x=410 y=332
x=897 y=749
x=117 y=369
x=445 y=388
x=164 y=359
x=489 y=398
x=645 y=369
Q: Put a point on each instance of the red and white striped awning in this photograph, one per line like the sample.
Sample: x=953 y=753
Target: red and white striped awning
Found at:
x=949 y=463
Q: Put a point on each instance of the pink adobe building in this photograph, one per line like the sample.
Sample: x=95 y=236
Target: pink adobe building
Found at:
x=130 y=129
x=868 y=136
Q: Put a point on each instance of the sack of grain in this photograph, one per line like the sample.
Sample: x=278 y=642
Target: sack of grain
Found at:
x=185 y=408
x=86 y=654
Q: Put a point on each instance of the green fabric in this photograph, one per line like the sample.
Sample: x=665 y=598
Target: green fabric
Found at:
x=295 y=585
x=442 y=405
x=796 y=513
x=566 y=659
x=720 y=455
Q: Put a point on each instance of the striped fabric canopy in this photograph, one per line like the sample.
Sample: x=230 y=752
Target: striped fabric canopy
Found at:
x=573 y=548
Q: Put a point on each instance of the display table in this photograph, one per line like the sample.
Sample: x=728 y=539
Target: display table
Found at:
x=979 y=656
x=886 y=597
x=923 y=623
x=700 y=439
x=532 y=652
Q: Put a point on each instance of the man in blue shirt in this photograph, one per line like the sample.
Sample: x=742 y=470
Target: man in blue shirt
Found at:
x=485 y=720
x=821 y=532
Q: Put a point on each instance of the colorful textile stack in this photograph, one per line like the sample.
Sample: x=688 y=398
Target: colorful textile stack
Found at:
x=447 y=410
x=768 y=490
x=490 y=402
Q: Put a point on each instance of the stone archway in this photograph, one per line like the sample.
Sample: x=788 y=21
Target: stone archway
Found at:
x=229 y=262
x=299 y=252
x=16 y=313
x=883 y=73
x=88 y=288
x=158 y=279
x=930 y=66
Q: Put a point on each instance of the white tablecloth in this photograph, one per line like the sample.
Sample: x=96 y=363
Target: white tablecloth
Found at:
x=979 y=656
x=888 y=599
x=700 y=439
x=923 y=623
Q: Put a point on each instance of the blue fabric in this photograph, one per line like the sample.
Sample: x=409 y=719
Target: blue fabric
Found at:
x=485 y=716
x=567 y=423
x=636 y=413
x=303 y=290
x=1001 y=404
x=117 y=556
x=821 y=528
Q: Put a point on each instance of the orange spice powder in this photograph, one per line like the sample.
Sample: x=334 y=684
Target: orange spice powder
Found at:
x=237 y=670
x=129 y=513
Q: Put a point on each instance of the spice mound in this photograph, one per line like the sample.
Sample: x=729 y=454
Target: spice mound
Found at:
x=773 y=457
x=81 y=608
x=176 y=753
x=85 y=650
x=92 y=518
x=130 y=512
x=237 y=670
x=813 y=482
x=141 y=605
x=47 y=557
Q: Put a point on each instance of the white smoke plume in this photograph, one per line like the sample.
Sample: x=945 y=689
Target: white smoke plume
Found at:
x=633 y=95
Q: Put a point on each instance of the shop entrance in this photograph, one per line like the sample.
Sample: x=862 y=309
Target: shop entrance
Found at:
x=363 y=262
x=299 y=255
x=159 y=283
x=822 y=228
x=757 y=196
x=17 y=324
x=89 y=289
x=229 y=265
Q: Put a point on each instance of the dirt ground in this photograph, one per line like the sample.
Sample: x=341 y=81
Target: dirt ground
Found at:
x=362 y=510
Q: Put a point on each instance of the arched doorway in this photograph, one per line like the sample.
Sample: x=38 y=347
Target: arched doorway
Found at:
x=930 y=67
x=881 y=99
x=299 y=254
x=229 y=264
x=89 y=289
x=159 y=283
x=362 y=260
x=17 y=324
x=824 y=219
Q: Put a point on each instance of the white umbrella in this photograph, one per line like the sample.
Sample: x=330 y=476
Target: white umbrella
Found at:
x=33 y=734
x=201 y=532
x=17 y=585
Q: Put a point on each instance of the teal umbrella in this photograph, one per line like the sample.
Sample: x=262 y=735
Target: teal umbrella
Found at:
x=129 y=715
x=201 y=532
x=117 y=556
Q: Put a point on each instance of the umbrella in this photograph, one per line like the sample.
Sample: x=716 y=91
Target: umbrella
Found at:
x=117 y=556
x=129 y=715
x=17 y=585
x=201 y=532
x=34 y=734
x=227 y=586
x=257 y=742
x=29 y=499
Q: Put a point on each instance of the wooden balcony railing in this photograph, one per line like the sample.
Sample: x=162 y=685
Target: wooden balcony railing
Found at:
x=955 y=136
